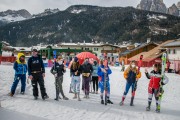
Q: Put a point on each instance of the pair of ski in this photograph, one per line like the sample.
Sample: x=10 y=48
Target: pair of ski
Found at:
x=105 y=88
x=105 y=63
x=161 y=90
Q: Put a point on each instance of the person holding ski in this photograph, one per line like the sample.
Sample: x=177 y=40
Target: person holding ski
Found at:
x=58 y=71
x=95 y=77
x=87 y=70
x=20 y=68
x=36 y=72
x=131 y=74
x=154 y=85
x=103 y=73
x=76 y=70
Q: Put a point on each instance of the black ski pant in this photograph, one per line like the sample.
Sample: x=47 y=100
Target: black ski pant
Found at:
x=95 y=83
x=38 y=79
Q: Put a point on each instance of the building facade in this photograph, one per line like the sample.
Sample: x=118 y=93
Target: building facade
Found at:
x=173 y=51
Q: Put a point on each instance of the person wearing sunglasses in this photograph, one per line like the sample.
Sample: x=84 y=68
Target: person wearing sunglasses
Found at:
x=36 y=72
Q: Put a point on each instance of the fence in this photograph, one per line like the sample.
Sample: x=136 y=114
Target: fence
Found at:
x=174 y=64
x=148 y=62
x=7 y=59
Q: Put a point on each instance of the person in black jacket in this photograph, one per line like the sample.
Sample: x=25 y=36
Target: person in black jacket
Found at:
x=36 y=72
x=87 y=70
x=58 y=70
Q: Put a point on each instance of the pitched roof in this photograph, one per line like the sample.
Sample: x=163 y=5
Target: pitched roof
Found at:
x=141 y=46
x=150 y=55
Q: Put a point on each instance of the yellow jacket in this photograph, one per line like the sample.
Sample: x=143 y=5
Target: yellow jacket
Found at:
x=138 y=75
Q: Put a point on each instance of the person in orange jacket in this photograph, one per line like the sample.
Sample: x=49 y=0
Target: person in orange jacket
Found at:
x=131 y=74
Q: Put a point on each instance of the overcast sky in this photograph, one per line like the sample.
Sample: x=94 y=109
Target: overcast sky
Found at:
x=37 y=6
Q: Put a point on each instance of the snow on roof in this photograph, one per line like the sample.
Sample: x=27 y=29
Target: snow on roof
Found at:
x=175 y=43
x=82 y=44
x=6 y=53
x=22 y=48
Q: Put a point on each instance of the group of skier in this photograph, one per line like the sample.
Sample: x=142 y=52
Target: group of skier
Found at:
x=98 y=73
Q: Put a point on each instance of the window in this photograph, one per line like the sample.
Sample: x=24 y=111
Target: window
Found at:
x=95 y=49
x=169 y=51
x=174 y=51
x=86 y=48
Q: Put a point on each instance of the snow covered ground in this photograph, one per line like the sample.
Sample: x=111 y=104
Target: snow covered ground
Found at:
x=91 y=109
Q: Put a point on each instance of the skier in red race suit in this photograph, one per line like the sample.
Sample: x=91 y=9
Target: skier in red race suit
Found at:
x=154 y=84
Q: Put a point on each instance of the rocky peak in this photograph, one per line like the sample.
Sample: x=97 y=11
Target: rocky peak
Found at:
x=153 y=5
x=173 y=10
x=23 y=13
x=46 y=12
x=178 y=5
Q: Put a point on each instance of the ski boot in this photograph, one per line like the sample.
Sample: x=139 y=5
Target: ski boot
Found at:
x=56 y=99
x=109 y=101
x=102 y=101
x=157 y=109
x=131 y=103
x=10 y=94
x=121 y=103
x=45 y=97
x=35 y=97
x=148 y=108
x=65 y=98
x=105 y=100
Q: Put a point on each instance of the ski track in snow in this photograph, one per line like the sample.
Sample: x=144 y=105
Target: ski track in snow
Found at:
x=91 y=109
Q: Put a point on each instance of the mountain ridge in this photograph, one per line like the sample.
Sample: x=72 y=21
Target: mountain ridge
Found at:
x=86 y=23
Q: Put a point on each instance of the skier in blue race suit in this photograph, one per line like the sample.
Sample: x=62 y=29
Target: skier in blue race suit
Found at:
x=101 y=70
x=20 y=68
